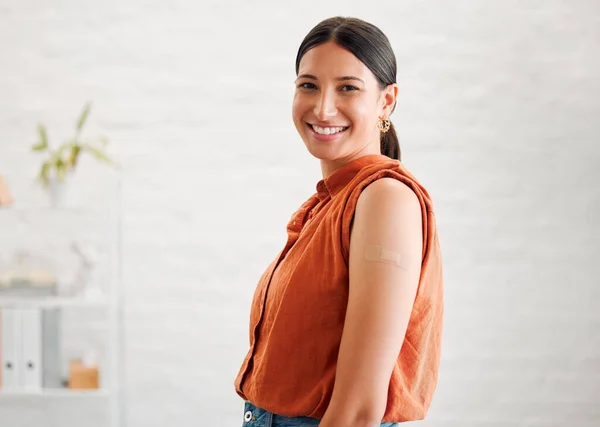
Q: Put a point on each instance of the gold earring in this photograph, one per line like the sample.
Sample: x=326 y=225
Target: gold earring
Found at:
x=383 y=125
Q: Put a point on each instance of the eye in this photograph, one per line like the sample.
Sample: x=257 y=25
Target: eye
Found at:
x=306 y=86
x=348 y=88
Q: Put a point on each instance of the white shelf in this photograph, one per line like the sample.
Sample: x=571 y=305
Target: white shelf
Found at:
x=54 y=392
x=103 y=224
x=54 y=302
x=47 y=209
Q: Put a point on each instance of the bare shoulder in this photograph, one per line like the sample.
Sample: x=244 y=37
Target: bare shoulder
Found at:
x=389 y=193
x=387 y=211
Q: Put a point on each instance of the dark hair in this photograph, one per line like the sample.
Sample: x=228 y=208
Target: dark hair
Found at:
x=371 y=47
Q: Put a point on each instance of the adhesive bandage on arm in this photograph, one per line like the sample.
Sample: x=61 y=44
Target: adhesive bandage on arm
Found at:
x=387 y=256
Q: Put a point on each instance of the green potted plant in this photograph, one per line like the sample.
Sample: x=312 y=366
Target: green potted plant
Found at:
x=61 y=162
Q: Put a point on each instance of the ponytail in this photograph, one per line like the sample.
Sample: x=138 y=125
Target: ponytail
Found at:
x=389 y=144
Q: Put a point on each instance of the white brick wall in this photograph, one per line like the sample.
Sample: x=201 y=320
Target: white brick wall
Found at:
x=498 y=117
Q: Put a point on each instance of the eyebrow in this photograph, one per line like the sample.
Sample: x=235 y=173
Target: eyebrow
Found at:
x=310 y=76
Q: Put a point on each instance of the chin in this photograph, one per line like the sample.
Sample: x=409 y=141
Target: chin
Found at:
x=323 y=153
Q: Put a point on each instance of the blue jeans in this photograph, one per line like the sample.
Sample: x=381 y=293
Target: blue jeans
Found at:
x=258 y=417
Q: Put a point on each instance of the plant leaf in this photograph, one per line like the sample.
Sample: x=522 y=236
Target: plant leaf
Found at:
x=98 y=154
x=43 y=144
x=44 y=172
x=61 y=171
x=75 y=149
x=83 y=117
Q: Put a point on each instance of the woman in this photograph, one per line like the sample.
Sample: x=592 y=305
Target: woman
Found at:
x=345 y=324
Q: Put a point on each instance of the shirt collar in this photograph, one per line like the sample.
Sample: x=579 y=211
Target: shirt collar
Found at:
x=332 y=185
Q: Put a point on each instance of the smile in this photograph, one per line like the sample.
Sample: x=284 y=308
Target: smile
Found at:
x=332 y=130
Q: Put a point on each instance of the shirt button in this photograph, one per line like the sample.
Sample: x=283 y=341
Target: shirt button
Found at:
x=248 y=416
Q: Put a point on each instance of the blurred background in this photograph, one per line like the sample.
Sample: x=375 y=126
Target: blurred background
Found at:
x=145 y=268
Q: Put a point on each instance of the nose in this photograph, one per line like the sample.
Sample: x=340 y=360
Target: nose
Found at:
x=325 y=106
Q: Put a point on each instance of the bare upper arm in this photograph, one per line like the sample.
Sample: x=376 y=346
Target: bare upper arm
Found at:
x=381 y=295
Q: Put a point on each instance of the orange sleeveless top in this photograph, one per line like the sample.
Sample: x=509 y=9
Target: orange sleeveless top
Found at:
x=298 y=308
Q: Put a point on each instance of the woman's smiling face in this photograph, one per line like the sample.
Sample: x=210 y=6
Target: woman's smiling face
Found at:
x=337 y=104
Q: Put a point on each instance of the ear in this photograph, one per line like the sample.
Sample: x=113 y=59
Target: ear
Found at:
x=388 y=100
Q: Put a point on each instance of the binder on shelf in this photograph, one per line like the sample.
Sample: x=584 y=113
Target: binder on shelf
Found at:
x=31 y=350
x=11 y=348
x=51 y=349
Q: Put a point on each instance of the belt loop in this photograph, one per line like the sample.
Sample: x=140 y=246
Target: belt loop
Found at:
x=269 y=419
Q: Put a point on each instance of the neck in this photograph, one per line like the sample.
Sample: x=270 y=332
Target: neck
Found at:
x=328 y=167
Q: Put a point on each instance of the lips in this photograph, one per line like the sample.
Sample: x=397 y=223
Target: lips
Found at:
x=326 y=132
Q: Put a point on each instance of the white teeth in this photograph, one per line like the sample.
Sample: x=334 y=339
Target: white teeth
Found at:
x=327 y=131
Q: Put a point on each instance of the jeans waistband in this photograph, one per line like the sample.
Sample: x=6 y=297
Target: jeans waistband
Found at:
x=258 y=417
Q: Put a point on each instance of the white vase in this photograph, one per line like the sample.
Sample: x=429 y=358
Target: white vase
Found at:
x=58 y=191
